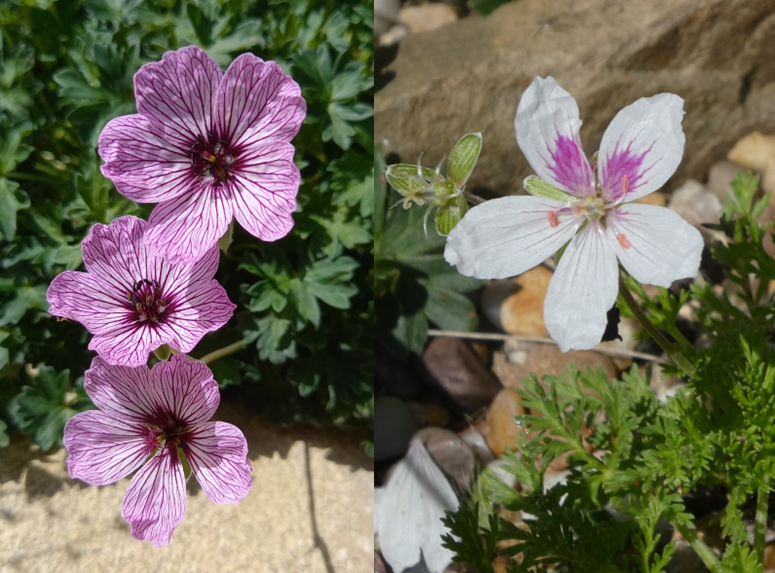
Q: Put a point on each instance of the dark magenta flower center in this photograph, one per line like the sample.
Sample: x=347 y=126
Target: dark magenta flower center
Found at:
x=212 y=157
x=165 y=431
x=146 y=301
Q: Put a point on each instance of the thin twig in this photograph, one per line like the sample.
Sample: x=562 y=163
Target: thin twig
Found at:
x=221 y=352
x=617 y=353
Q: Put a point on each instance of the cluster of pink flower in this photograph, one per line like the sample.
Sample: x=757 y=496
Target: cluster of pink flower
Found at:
x=208 y=147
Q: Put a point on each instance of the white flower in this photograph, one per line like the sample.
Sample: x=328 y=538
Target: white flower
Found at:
x=640 y=150
x=408 y=513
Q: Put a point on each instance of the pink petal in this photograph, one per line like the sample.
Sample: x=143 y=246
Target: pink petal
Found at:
x=115 y=254
x=155 y=501
x=128 y=344
x=176 y=280
x=126 y=394
x=642 y=147
x=186 y=389
x=265 y=186
x=203 y=310
x=144 y=166
x=80 y=296
x=178 y=93
x=102 y=449
x=547 y=125
x=183 y=229
x=218 y=452
x=257 y=102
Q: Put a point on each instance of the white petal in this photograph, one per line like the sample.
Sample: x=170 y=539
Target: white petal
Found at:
x=547 y=125
x=508 y=236
x=654 y=244
x=642 y=147
x=409 y=513
x=582 y=290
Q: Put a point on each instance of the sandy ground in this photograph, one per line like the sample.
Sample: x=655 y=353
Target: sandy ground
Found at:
x=311 y=510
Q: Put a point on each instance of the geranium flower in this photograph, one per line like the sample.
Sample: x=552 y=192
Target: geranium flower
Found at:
x=163 y=413
x=640 y=150
x=133 y=302
x=207 y=146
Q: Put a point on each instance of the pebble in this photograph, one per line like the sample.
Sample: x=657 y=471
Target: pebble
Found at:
x=478 y=444
x=451 y=453
x=503 y=429
x=657 y=199
x=452 y=364
x=393 y=428
x=696 y=204
x=385 y=15
x=394 y=35
x=754 y=151
x=720 y=176
x=426 y=17
x=493 y=295
x=522 y=313
x=429 y=414
x=522 y=358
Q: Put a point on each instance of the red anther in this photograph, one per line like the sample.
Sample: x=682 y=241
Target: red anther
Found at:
x=625 y=184
x=553 y=220
x=623 y=240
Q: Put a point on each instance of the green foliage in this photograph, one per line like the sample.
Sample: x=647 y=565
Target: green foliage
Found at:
x=413 y=282
x=42 y=408
x=305 y=302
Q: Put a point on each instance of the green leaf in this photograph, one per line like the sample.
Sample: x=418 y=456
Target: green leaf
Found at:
x=244 y=37
x=463 y=159
x=3 y=435
x=12 y=200
x=26 y=298
x=43 y=408
x=329 y=280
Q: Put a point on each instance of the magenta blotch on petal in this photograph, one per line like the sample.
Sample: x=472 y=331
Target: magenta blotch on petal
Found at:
x=208 y=147
x=133 y=302
x=161 y=413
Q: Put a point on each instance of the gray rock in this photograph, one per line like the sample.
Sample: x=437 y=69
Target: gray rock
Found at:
x=452 y=364
x=469 y=76
x=453 y=455
x=720 y=176
x=695 y=203
x=393 y=428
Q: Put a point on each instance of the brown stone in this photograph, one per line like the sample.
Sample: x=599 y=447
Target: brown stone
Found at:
x=503 y=428
x=541 y=359
x=452 y=364
x=468 y=76
x=696 y=204
x=754 y=151
x=720 y=178
x=657 y=199
x=451 y=453
x=523 y=312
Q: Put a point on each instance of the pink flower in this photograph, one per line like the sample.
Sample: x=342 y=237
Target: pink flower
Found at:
x=161 y=412
x=133 y=302
x=593 y=215
x=207 y=146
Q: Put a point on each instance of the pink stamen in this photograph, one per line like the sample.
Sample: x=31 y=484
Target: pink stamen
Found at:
x=623 y=240
x=625 y=184
x=553 y=220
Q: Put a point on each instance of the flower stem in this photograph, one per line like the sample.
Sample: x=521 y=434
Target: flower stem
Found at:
x=703 y=551
x=675 y=355
x=760 y=525
x=163 y=352
x=221 y=352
